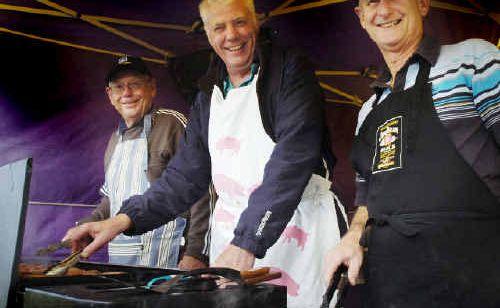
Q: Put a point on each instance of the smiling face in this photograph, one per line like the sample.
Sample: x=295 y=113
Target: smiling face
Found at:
x=132 y=96
x=232 y=32
x=393 y=25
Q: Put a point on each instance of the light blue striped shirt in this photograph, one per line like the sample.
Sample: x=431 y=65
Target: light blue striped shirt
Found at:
x=465 y=81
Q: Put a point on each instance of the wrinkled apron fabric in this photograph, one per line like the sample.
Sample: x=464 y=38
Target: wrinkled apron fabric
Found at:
x=434 y=225
x=239 y=149
x=127 y=176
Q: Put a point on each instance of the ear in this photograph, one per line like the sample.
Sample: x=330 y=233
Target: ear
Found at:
x=359 y=12
x=423 y=6
x=209 y=35
x=108 y=92
x=153 y=86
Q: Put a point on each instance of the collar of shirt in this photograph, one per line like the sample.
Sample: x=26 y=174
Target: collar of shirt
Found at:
x=229 y=86
x=122 y=126
x=428 y=50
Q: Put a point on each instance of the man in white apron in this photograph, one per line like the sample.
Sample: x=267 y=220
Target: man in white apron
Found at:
x=137 y=153
x=255 y=131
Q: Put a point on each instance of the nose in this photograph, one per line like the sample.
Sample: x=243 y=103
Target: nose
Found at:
x=384 y=7
x=231 y=33
x=127 y=91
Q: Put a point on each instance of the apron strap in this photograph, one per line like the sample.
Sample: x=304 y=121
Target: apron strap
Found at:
x=414 y=112
x=378 y=95
x=147 y=125
x=424 y=68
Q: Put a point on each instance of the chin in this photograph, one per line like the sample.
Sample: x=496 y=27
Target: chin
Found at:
x=130 y=113
x=388 y=42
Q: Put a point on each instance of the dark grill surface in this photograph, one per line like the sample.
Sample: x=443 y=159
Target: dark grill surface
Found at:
x=125 y=290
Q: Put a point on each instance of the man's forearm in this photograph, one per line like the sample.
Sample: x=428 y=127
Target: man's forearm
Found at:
x=357 y=224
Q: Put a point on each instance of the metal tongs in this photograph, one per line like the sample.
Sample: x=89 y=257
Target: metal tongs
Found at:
x=62 y=267
x=53 y=248
x=338 y=284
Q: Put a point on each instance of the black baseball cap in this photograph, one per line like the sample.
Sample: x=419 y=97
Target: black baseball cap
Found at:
x=127 y=63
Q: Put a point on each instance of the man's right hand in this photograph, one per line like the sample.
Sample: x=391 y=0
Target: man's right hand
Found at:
x=348 y=251
x=189 y=263
x=93 y=235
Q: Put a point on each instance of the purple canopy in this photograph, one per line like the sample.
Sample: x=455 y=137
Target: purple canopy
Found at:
x=53 y=106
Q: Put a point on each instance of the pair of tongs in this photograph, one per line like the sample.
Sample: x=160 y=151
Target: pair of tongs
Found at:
x=62 y=267
x=53 y=248
x=338 y=283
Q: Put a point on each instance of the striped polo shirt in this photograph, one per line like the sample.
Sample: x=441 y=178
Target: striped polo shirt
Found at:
x=465 y=81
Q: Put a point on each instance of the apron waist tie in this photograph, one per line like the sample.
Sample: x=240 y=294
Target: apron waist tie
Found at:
x=408 y=224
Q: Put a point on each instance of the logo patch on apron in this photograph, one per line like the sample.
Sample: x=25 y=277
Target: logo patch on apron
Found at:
x=388 y=146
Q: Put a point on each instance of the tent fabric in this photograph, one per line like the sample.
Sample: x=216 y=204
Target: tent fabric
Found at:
x=53 y=106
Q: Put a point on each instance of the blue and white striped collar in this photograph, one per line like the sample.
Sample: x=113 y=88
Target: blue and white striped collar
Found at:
x=428 y=50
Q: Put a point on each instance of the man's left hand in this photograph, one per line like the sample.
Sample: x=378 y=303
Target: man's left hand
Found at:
x=236 y=258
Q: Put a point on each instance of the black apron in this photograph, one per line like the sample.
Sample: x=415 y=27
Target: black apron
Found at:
x=435 y=226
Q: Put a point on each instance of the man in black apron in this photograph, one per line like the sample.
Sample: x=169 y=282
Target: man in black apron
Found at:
x=428 y=172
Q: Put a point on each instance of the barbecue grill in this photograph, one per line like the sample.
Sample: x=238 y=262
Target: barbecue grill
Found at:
x=109 y=285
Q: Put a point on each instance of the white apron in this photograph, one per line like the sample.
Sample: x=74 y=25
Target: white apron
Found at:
x=239 y=149
x=126 y=176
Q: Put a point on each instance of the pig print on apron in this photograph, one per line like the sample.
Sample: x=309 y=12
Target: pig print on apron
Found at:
x=240 y=149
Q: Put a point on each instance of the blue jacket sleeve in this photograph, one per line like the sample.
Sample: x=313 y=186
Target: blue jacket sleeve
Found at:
x=182 y=183
x=298 y=127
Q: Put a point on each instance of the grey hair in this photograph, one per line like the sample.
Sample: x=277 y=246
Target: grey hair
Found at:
x=205 y=4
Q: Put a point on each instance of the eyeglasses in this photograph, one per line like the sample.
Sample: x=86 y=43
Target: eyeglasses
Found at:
x=119 y=88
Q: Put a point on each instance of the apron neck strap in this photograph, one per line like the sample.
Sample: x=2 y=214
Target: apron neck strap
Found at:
x=147 y=124
x=424 y=69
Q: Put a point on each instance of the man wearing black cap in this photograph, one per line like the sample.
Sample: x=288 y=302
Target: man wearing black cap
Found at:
x=137 y=153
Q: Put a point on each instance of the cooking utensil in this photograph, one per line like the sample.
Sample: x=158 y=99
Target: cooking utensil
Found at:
x=62 y=267
x=53 y=248
x=338 y=283
x=262 y=278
